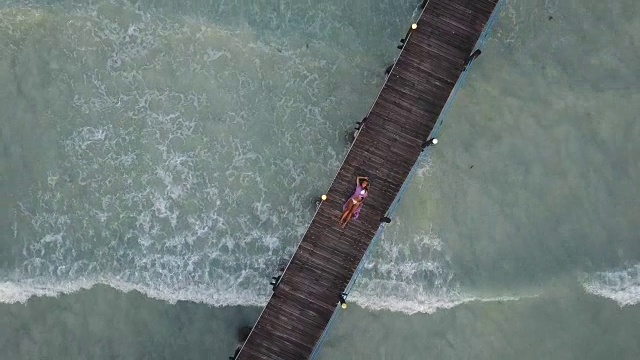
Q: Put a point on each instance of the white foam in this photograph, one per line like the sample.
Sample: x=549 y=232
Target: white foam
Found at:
x=412 y=275
x=408 y=303
x=394 y=281
x=622 y=286
x=421 y=302
x=424 y=166
x=22 y=291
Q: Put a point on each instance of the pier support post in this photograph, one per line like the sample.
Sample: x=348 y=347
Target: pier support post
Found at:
x=414 y=26
x=474 y=55
x=429 y=142
x=275 y=281
x=387 y=70
x=343 y=300
x=235 y=354
x=320 y=200
x=360 y=123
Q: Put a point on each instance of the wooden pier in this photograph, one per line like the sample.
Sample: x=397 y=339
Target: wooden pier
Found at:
x=386 y=148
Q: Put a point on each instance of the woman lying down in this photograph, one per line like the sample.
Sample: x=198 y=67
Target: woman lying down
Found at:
x=352 y=207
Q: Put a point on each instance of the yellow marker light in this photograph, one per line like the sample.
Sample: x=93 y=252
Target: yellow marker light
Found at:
x=344 y=305
x=323 y=197
x=414 y=26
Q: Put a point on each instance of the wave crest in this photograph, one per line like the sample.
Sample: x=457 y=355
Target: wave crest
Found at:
x=622 y=286
x=21 y=291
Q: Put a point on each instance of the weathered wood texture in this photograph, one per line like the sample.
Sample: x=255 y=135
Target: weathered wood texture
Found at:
x=385 y=150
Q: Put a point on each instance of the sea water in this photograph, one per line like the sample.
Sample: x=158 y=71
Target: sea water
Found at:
x=176 y=149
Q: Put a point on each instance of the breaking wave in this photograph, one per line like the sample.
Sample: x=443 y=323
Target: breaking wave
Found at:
x=622 y=286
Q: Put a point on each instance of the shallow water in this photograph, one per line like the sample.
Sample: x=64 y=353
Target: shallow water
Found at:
x=177 y=150
x=164 y=152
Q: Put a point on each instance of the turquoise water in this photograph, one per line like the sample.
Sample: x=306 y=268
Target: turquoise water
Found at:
x=161 y=160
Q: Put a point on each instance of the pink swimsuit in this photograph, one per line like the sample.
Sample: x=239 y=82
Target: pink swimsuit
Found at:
x=361 y=193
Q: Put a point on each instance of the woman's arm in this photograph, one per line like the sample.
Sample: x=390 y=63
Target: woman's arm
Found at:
x=358 y=178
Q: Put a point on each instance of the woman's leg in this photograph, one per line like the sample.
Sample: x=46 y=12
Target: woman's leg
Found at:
x=349 y=213
x=347 y=218
x=344 y=215
x=350 y=208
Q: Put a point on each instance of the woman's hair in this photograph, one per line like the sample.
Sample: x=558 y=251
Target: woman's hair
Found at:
x=364 y=183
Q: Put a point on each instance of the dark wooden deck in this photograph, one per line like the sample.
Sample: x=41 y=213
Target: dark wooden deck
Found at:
x=385 y=150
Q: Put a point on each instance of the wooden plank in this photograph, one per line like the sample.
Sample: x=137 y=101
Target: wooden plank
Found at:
x=315 y=274
x=312 y=311
x=301 y=325
x=402 y=96
x=426 y=68
x=265 y=343
x=440 y=64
